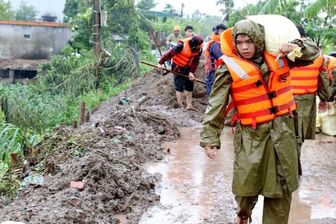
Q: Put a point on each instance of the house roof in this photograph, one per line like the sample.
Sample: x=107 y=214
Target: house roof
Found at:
x=32 y=23
x=21 y=64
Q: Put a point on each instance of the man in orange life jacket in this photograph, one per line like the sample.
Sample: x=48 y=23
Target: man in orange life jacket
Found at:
x=188 y=31
x=186 y=55
x=265 y=161
x=307 y=82
x=212 y=54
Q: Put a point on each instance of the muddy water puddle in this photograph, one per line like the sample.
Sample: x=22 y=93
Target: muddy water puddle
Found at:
x=197 y=190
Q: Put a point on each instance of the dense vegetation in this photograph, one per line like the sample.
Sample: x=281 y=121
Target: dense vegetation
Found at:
x=30 y=111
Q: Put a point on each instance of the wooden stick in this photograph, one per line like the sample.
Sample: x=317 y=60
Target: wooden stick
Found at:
x=156 y=43
x=82 y=113
x=176 y=73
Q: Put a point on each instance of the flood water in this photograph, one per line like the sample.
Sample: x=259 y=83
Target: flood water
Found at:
x=197 y=190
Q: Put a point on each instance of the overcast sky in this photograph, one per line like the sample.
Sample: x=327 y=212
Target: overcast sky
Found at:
x=55 y=7
x=50 y=7
x=205 y=6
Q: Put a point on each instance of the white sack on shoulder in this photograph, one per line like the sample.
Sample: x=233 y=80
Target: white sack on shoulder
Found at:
x=278 y=30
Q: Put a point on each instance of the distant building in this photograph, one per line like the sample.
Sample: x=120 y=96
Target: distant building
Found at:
x=25 y=44
x=32 y=40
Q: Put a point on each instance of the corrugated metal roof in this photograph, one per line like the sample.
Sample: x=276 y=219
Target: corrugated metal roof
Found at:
x=32 y=23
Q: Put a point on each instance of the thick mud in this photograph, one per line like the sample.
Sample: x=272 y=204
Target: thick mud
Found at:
x=195 y=189
x=106 y=160
x=95 y=174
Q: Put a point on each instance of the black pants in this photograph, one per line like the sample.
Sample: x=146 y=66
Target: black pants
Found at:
x=182 y=83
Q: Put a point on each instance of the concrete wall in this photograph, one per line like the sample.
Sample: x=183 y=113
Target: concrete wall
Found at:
x=32 y=42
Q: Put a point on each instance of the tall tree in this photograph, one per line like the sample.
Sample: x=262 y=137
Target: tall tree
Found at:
x=146 y=4
x=197 y=15
x=318 y=18
x=143 y=8
x=6 y=12
x=120 y=22
x=26 y=12
x=269 y=6
x=327 y=6
x=287 y=8
x=169 y=8
x=78 y=13
x=320 y=21
x=74 y=7
x=71 y=9
x=239 y=14
x=227 y=7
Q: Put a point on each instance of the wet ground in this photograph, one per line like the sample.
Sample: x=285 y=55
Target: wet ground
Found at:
x=95 y=174
x=195 y=189
x=108 y=153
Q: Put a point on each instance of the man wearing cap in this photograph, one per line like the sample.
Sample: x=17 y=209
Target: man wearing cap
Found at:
x=173 y=37
x=186 y=55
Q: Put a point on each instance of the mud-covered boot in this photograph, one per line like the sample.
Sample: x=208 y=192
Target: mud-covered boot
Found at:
x=240 y=220
x=189 y=101
x=179 y=98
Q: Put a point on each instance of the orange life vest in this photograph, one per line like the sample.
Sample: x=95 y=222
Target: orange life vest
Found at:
x=184 y=58
x=256 y=101
x=305 y=79
x=331 y=65
x=210 y=62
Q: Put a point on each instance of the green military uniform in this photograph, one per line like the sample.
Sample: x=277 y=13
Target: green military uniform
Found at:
x=265 y=161
x=305 y=114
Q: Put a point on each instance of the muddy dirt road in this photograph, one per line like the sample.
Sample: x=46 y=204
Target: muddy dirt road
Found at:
x=114 y=163
x=197 y=190
x=95 y=174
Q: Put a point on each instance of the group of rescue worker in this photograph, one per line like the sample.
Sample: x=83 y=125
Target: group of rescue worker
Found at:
x=275 y=108
x=185 y=55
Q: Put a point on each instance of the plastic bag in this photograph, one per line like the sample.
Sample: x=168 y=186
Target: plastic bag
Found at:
x=328 y=124
x=326 y=121
x=278 y=30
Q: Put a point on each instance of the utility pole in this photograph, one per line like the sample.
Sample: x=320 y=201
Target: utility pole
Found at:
x=182 y=7
x=97 y=37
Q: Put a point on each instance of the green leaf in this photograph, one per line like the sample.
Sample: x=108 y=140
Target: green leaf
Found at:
x=318 y=6
x=269 y=7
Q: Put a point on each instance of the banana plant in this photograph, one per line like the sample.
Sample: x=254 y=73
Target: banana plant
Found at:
x=318 y=6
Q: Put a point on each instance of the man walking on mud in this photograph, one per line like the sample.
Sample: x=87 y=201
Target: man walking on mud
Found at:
x=186 y=55
x=264 y=143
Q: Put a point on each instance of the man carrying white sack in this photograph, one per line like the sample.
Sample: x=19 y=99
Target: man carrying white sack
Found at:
x=307 y=82
x=265 y=161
